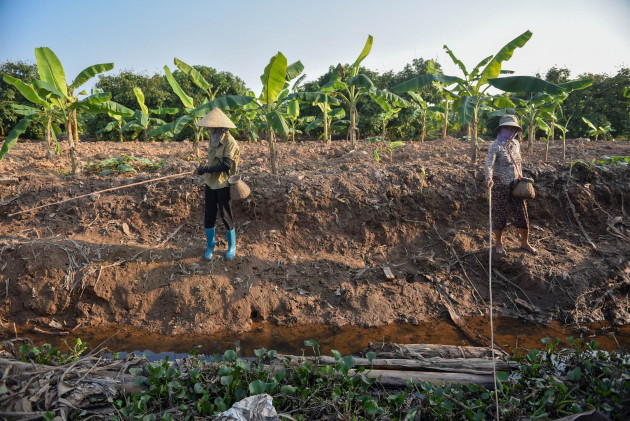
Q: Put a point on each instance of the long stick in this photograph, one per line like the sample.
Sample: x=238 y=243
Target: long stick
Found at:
x=494 y=366
x=103 y=191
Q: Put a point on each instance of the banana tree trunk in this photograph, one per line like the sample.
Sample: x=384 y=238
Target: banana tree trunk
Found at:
x=564 y=148
x=353 y=127
x=531 y=130
x=75 y=125
x=445 y=127
x=73 y=152
x=326 y=123
x=196 y=143
x=475 y=146
x=423 y=133
x=546 y=149
x=50 y=153
x=273 y=153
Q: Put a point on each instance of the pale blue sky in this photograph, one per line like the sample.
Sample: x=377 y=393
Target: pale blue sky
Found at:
x=241 y=36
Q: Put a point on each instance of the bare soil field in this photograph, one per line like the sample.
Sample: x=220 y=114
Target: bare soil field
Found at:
x=312 y=241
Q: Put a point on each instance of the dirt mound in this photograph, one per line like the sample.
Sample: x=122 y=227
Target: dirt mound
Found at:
x=313 y=241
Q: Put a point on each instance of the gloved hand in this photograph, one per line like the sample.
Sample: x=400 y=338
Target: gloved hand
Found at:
x=202 y=169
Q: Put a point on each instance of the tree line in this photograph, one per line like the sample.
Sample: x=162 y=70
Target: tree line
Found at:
x=349 y=101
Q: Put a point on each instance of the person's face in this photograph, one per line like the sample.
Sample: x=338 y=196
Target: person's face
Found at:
x=216 y=131
x=508 y=131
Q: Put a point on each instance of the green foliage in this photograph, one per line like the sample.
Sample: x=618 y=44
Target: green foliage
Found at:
x=383 y=146
x=603 y=104
x=550 y=382
x=10 y=96
x=124 y=164
x=596 y=131
x=47 y=354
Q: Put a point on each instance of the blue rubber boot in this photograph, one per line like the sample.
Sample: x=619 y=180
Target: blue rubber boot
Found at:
x=231 y=239
x=209 y=243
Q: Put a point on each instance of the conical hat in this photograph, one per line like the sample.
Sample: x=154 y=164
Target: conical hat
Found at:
x=216 y=118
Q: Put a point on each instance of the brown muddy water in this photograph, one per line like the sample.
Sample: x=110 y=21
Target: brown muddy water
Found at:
x=349 y=340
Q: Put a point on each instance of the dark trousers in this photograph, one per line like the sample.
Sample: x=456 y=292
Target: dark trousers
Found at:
x=218 y=199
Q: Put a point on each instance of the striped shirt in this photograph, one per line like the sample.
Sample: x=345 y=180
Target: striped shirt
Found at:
x=499 y=164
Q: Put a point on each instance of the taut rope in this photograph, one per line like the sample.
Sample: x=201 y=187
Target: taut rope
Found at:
x=102 y=191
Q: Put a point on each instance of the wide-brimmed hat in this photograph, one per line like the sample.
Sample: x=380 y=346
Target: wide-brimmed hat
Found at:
x=509 y=120
x=216 y=118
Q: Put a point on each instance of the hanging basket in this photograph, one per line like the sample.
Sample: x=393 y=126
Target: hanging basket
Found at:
x=524 y=189
x=238 y=189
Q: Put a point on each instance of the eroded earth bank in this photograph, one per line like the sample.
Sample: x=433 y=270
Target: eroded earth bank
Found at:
x=313 y=241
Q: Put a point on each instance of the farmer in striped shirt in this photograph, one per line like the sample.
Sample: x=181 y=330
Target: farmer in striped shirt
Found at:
x=503 y=168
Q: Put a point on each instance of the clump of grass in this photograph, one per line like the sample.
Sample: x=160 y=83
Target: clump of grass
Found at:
x=122 y=165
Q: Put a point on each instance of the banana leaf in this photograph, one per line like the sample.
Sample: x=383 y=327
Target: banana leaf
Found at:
x=316 y=97
x=225 y=103
x=273 y=79
x=524 y=84
x=50 y=69
x=424 y=80
x=277 y=122
x=13 y=136
x=361 y=81
x=194 y=74
x=575 y=85
x=493 y=69
x=294 y=70
x=24 y=109
x=165 y=111
x=186 y=100
x=140 y=97
x=89 y=73
x=467 y=109
x=44 y=87
x=27 y=91
x=108 y=128
x=364 y=53
x=293 y=108
x=456 y=60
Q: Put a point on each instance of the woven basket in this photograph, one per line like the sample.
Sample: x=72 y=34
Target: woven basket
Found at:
x=524 y=189
x=238 y=189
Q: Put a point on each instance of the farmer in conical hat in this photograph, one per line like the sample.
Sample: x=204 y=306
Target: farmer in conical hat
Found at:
x=223 y=156
x=503 y=169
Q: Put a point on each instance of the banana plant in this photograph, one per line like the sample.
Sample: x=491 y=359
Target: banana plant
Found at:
x=543 y=103
x=292 y=115
x=118 y=112
x=335 y=123
x=413 y=87
x=53 y=93
x=322 y=99
x=529 y=110
x=193 y=113
x=547 y=128
x=557 y=99
x=275 y=80
x=421 y=109
x=598 y=130
x=48 y=118
x=143 y=121
x=248 y=119
x=350 y=86
x=390 y=103
x=563 y=129
x=472 y=87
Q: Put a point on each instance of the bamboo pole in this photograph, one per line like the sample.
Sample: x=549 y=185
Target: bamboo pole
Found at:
x=102 y=191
